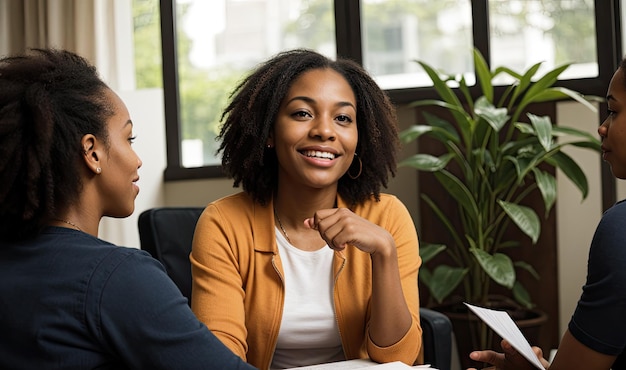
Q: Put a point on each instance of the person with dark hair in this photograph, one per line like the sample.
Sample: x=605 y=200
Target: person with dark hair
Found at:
x=310 y=263
x=69 y=300
x=596 y=335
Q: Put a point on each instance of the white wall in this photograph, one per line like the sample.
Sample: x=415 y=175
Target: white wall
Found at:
x=576 y=219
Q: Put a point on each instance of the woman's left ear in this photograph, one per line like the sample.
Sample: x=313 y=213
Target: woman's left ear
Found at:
x=91 y=153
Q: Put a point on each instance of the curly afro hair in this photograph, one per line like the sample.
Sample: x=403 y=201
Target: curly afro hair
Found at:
x=249 y=119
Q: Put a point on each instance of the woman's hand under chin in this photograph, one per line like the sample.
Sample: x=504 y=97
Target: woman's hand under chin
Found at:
x=340 y=227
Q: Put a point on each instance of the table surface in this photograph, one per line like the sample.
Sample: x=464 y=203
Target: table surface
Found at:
x=363 y=364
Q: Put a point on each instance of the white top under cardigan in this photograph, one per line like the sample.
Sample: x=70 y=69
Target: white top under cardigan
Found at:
x=308 y=332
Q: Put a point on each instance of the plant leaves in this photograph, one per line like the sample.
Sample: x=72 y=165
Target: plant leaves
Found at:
x=498 y=266
x=525 y=80
x=527 y=267
x=565 y=130
x=496 y=117
x=521 y=295
x=547 y=186
x=414 y=132
x=427 y=162
x=484 y=75
x=545 y=82
x=560 y=93
x=429 y=250
x=442 y=127
x=524 y=217
x=457 y=189
x=440 y=85
x=571 y=169
x=543 y=129
x=442 y=217
x=443 y=281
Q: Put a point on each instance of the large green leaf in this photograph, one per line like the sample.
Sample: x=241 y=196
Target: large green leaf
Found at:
x=442 y=126
x=524 y=163
x=524 y=217
x=484 y=75
x=565 y=130
x=442 y=217
x=443 y=281
x=526 y=266
x=559 y=93
x=457 y=189
x=543 y=129
x=428 y=251
x=444 y=91
x=571 y=169
x=427 y=162
x=496 y=117
x=450 y=101
x=546 y=81
x=524 y=81
x=414 y=132
x=593 y=145
x=521 y=295
x=547 y=186
x=498 y=266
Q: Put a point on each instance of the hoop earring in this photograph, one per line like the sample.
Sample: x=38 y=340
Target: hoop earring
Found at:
x=360 y=168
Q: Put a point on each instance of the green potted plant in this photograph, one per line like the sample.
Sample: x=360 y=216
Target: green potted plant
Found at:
x=491 y=162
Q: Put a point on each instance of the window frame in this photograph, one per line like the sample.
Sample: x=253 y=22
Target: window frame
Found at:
x=348 y=42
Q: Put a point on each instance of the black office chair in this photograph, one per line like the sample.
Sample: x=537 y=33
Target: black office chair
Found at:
x=167 y=233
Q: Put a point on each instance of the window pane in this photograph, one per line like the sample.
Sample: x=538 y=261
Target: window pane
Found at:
x=398 y=32
x=147 y=44
x=219 y=41
x=556 y=32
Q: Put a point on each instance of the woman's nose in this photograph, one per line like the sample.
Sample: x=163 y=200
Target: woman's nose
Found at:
x=603 y=129
x=323 y=128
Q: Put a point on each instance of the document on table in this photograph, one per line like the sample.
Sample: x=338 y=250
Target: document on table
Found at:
x=363 y=364
x=501 y=323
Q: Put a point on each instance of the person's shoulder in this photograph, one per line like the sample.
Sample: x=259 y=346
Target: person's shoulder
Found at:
x=231 y=210
x=385 y=201
x=616 y=213
x=117 y=255
x=241 y=199
x=619 y=206
x=611 y=226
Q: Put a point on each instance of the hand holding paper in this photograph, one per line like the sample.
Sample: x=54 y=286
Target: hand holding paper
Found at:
x=503 y=325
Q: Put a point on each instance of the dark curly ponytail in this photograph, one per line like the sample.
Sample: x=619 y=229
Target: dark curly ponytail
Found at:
x=49 y=99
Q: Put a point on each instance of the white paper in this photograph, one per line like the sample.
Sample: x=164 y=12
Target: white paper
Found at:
x=363 y=364
x=504 y=326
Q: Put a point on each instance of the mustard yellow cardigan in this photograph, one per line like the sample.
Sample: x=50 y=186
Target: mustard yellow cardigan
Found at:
x=238 y=291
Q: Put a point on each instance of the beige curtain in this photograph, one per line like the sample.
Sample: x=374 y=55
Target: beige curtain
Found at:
x=99 y=30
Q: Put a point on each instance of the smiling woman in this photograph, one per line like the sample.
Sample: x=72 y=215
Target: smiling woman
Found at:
x=310 y=263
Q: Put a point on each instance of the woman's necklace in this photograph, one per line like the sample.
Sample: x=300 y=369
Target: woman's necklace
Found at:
x=281 y=227
x=72 y=224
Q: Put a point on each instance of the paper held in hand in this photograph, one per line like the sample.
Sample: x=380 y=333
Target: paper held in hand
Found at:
x=503 y=325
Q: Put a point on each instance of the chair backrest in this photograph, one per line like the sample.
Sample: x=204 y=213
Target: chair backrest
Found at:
x=437 y=338
x=167 y=233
